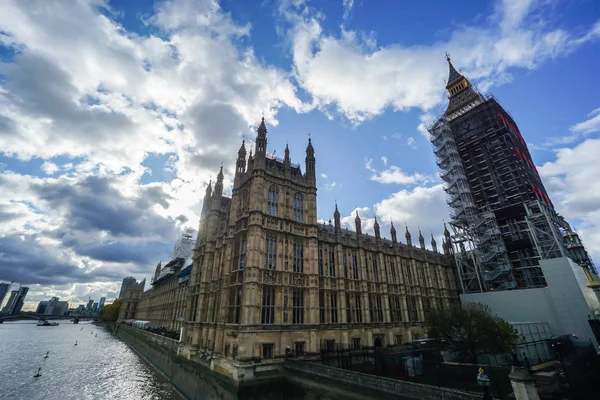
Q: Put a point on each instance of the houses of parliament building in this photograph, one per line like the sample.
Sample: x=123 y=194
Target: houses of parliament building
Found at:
x=267 y=278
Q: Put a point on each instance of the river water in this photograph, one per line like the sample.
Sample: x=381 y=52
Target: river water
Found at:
x=99 y=367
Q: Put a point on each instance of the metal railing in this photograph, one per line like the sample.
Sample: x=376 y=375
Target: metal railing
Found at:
x=373 y=382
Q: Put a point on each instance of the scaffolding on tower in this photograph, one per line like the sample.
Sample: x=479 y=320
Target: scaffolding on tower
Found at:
x=480 y=254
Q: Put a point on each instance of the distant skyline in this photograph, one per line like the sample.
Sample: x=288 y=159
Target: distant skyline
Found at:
x=114 y=115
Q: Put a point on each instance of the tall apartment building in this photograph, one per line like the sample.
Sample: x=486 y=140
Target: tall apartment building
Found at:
x=503 y=220
x=16 y=301
x=266 y=275
x=3 y=290
x=126 y=282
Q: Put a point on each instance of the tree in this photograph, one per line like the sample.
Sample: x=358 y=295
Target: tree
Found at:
x=472 y=330
x=111 y=311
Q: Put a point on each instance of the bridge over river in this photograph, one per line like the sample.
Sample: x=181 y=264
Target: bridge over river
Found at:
x=23 y=316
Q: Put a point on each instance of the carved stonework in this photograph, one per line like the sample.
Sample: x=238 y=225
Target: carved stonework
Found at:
x=285 y=308
x=298 y=280
x=269 y=277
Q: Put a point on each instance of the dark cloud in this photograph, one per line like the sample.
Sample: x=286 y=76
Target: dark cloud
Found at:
x=43 y=90
x=123 y=252
x=7 y=125
x=93 y=204
x=22 y=259
x=150 y=195
x=182 y=219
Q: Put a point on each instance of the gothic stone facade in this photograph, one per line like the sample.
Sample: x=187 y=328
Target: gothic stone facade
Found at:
x=165 y=302
x=266 y=275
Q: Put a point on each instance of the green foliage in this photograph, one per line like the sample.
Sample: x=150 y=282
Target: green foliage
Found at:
x=472 y=330
x=110 y=312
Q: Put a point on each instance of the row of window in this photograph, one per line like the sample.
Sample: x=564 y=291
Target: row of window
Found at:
x=350 y=264
x=328 y=307
x=273 y=204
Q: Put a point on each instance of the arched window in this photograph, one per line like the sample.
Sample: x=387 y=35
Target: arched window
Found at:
x=298 y=208
x=273 y=201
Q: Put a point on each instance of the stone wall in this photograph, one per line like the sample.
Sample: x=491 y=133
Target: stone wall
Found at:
x=193 y=380
x=296 y=380
x=339 y=383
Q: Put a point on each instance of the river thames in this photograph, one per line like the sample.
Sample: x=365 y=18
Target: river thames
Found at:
x=99 y=367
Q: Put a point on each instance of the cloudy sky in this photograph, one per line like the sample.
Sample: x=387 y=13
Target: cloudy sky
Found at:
x=115 y=114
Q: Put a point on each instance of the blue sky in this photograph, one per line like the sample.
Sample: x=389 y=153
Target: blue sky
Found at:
x=115 y=114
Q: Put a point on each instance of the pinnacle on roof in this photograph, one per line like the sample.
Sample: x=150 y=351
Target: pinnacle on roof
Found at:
x=446 y=232
x=262 y=127
x=407 y=234
x=392 y=229
x=453 y=74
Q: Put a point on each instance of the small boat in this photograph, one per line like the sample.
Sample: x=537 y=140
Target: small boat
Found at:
x=38 y=374
x=76 y=343
x=43 y=322
x=46 y=356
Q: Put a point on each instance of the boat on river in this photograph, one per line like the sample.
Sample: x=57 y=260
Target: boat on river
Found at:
x=43 y=322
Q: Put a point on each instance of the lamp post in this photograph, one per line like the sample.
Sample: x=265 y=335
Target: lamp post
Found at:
x=484 y=381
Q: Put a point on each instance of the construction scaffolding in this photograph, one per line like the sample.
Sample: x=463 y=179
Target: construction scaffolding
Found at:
x=503 y=220
x=481 y=257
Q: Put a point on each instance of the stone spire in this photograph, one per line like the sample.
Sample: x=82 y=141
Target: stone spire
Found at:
x=393 y=232
x=433 y=244
x=219 y=185
x=453 y=74
x=250 y=161
x=407 y=235
x=377 y=229
x=459 y=90
x=240 y=166
x=358 y=224
x=261 y=138
x=446 y=232
x=310 y=162
x=208 y=191
x=337 y=219
x=421 y=240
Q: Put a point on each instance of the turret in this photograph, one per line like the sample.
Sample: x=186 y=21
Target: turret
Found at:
x=408 y=239
x=421 y=240
x=337 y=219
x=310 y=163
x=250 y=161
x=261 y=139
x=207 y=196
x=447 y=234
x=377 y=229
x=393 y=232
x=358 y=224
x=433 y=244
x=218 y=192
x=240 y=165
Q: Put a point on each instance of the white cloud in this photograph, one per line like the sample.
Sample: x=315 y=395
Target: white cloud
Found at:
x=49 y=167
x=384 y=160
x=360 y=80
x=108 y=98
x=421 y=208
x=348 y=5
x=574 y=186
x=329 y=186
x=411 y=142
x=397 y=136
x=591 y=125
x=578 y=130
x=395 y=175
x=324 y=176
